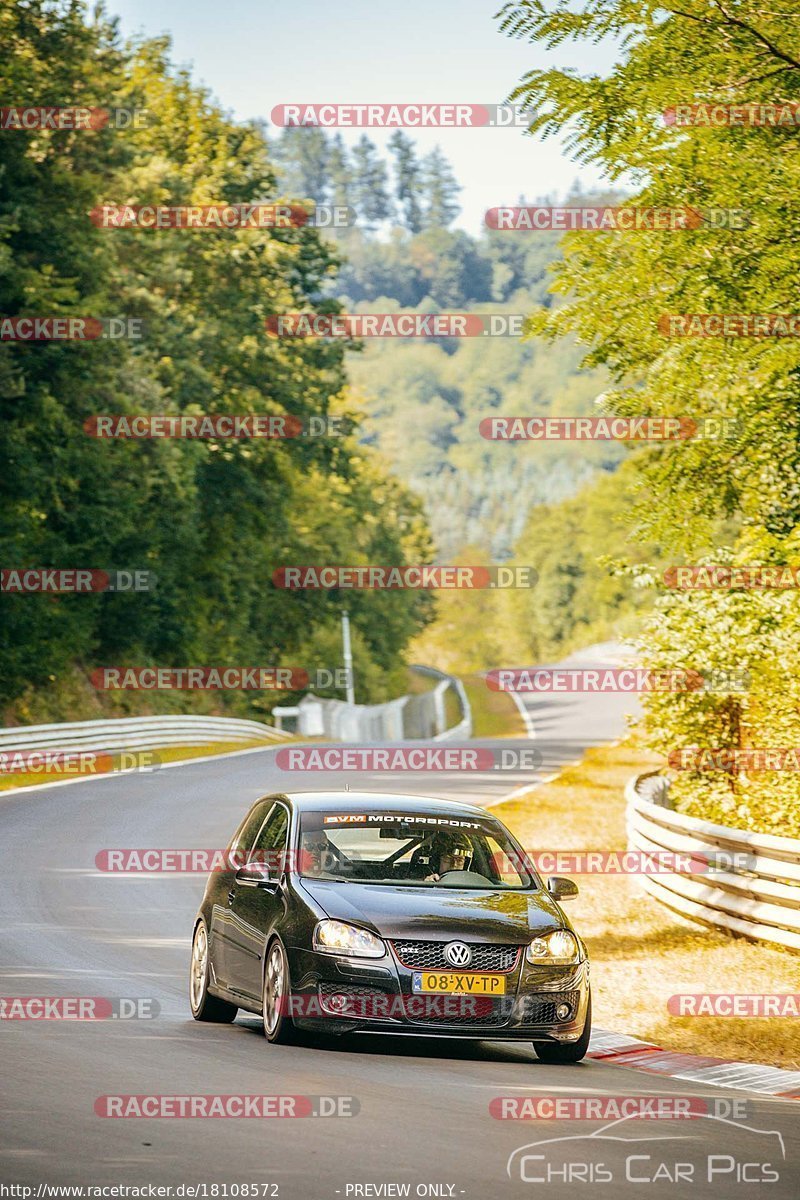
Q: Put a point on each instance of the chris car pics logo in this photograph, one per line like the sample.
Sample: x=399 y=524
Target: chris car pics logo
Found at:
x=731 y=1153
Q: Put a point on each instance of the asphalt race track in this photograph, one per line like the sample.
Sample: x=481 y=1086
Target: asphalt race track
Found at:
x=423 y=1120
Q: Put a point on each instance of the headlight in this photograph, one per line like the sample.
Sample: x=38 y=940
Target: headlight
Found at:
x=559 y=947
x=337 y=937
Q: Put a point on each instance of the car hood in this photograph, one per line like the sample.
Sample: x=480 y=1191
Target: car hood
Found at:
x=472 y=915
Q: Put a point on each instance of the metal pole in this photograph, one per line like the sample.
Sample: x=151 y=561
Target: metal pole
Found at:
x=348 y=657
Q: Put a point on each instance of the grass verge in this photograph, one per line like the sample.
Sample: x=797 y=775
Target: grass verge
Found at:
x=494 y=714
x=164 y=754
x=641 y=952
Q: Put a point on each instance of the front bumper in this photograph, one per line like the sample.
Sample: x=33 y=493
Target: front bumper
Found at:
x=334 y=994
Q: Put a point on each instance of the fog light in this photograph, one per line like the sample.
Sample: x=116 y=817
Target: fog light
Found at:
x=563 y=1011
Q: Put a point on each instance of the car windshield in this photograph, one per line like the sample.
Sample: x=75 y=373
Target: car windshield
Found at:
x=411 y=849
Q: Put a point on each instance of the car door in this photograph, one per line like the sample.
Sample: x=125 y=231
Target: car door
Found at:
x=221 y=917
x=254 y=910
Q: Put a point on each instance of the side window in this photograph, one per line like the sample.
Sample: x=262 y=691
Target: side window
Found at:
x=270 y=844
x=505 y=867
x=245 y=834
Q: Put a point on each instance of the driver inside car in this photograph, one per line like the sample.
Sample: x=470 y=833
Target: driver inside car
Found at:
x=449 y=852
x=317 y=853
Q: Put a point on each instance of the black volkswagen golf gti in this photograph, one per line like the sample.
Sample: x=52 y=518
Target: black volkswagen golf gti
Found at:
x=346 y=912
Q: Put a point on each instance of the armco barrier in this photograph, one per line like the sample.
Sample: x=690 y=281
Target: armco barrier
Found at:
x=754 y=890
x=418 y=716
x=434 y=710
x=138 y=732
x=351 y=722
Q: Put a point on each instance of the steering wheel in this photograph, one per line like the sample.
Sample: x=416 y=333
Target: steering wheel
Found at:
x=467 y=877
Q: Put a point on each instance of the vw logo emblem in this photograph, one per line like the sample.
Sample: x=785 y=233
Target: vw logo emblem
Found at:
x=458 y=954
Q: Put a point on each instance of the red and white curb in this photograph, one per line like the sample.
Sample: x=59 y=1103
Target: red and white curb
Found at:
x=626 y=1051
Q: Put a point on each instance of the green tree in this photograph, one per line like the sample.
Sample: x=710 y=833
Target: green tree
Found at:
x=620 y=285
x=212 y=519
x=622 y=288
x=340 y=172
x=370 y=195
x=743 y=642
x=440 y=204
x=302 y=156
x=407 y=180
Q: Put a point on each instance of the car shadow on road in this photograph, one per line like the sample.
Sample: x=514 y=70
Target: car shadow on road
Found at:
x=407 y=1046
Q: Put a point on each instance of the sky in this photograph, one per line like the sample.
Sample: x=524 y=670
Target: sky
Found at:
x=255 y=54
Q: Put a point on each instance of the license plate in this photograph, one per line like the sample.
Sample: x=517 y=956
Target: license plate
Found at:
x=452 y=981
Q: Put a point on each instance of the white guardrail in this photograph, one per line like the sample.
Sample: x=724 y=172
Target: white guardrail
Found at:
x=422 y=715
x=753 y=888
x=139 y=732
x=441 y=733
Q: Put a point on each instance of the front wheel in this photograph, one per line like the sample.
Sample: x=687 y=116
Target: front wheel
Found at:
x=205 y=1007
x=567 y=1052
x=276 y=997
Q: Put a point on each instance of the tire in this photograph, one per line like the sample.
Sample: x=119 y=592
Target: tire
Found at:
x=276 y=994
x=204 y=1006
x=567 y=1052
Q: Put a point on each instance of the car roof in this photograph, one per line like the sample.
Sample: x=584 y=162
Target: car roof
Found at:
x=377 y=801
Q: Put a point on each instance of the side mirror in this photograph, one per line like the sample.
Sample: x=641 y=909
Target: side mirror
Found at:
x=561 y=888
x=255 y=875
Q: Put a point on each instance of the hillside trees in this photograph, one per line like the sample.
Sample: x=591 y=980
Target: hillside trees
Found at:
x=620 y=289
x=211 y=519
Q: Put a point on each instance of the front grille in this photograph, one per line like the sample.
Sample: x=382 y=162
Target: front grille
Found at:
x=357 y=1000
x=429 y=956
x=456 y=1009
x=541 y=1010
